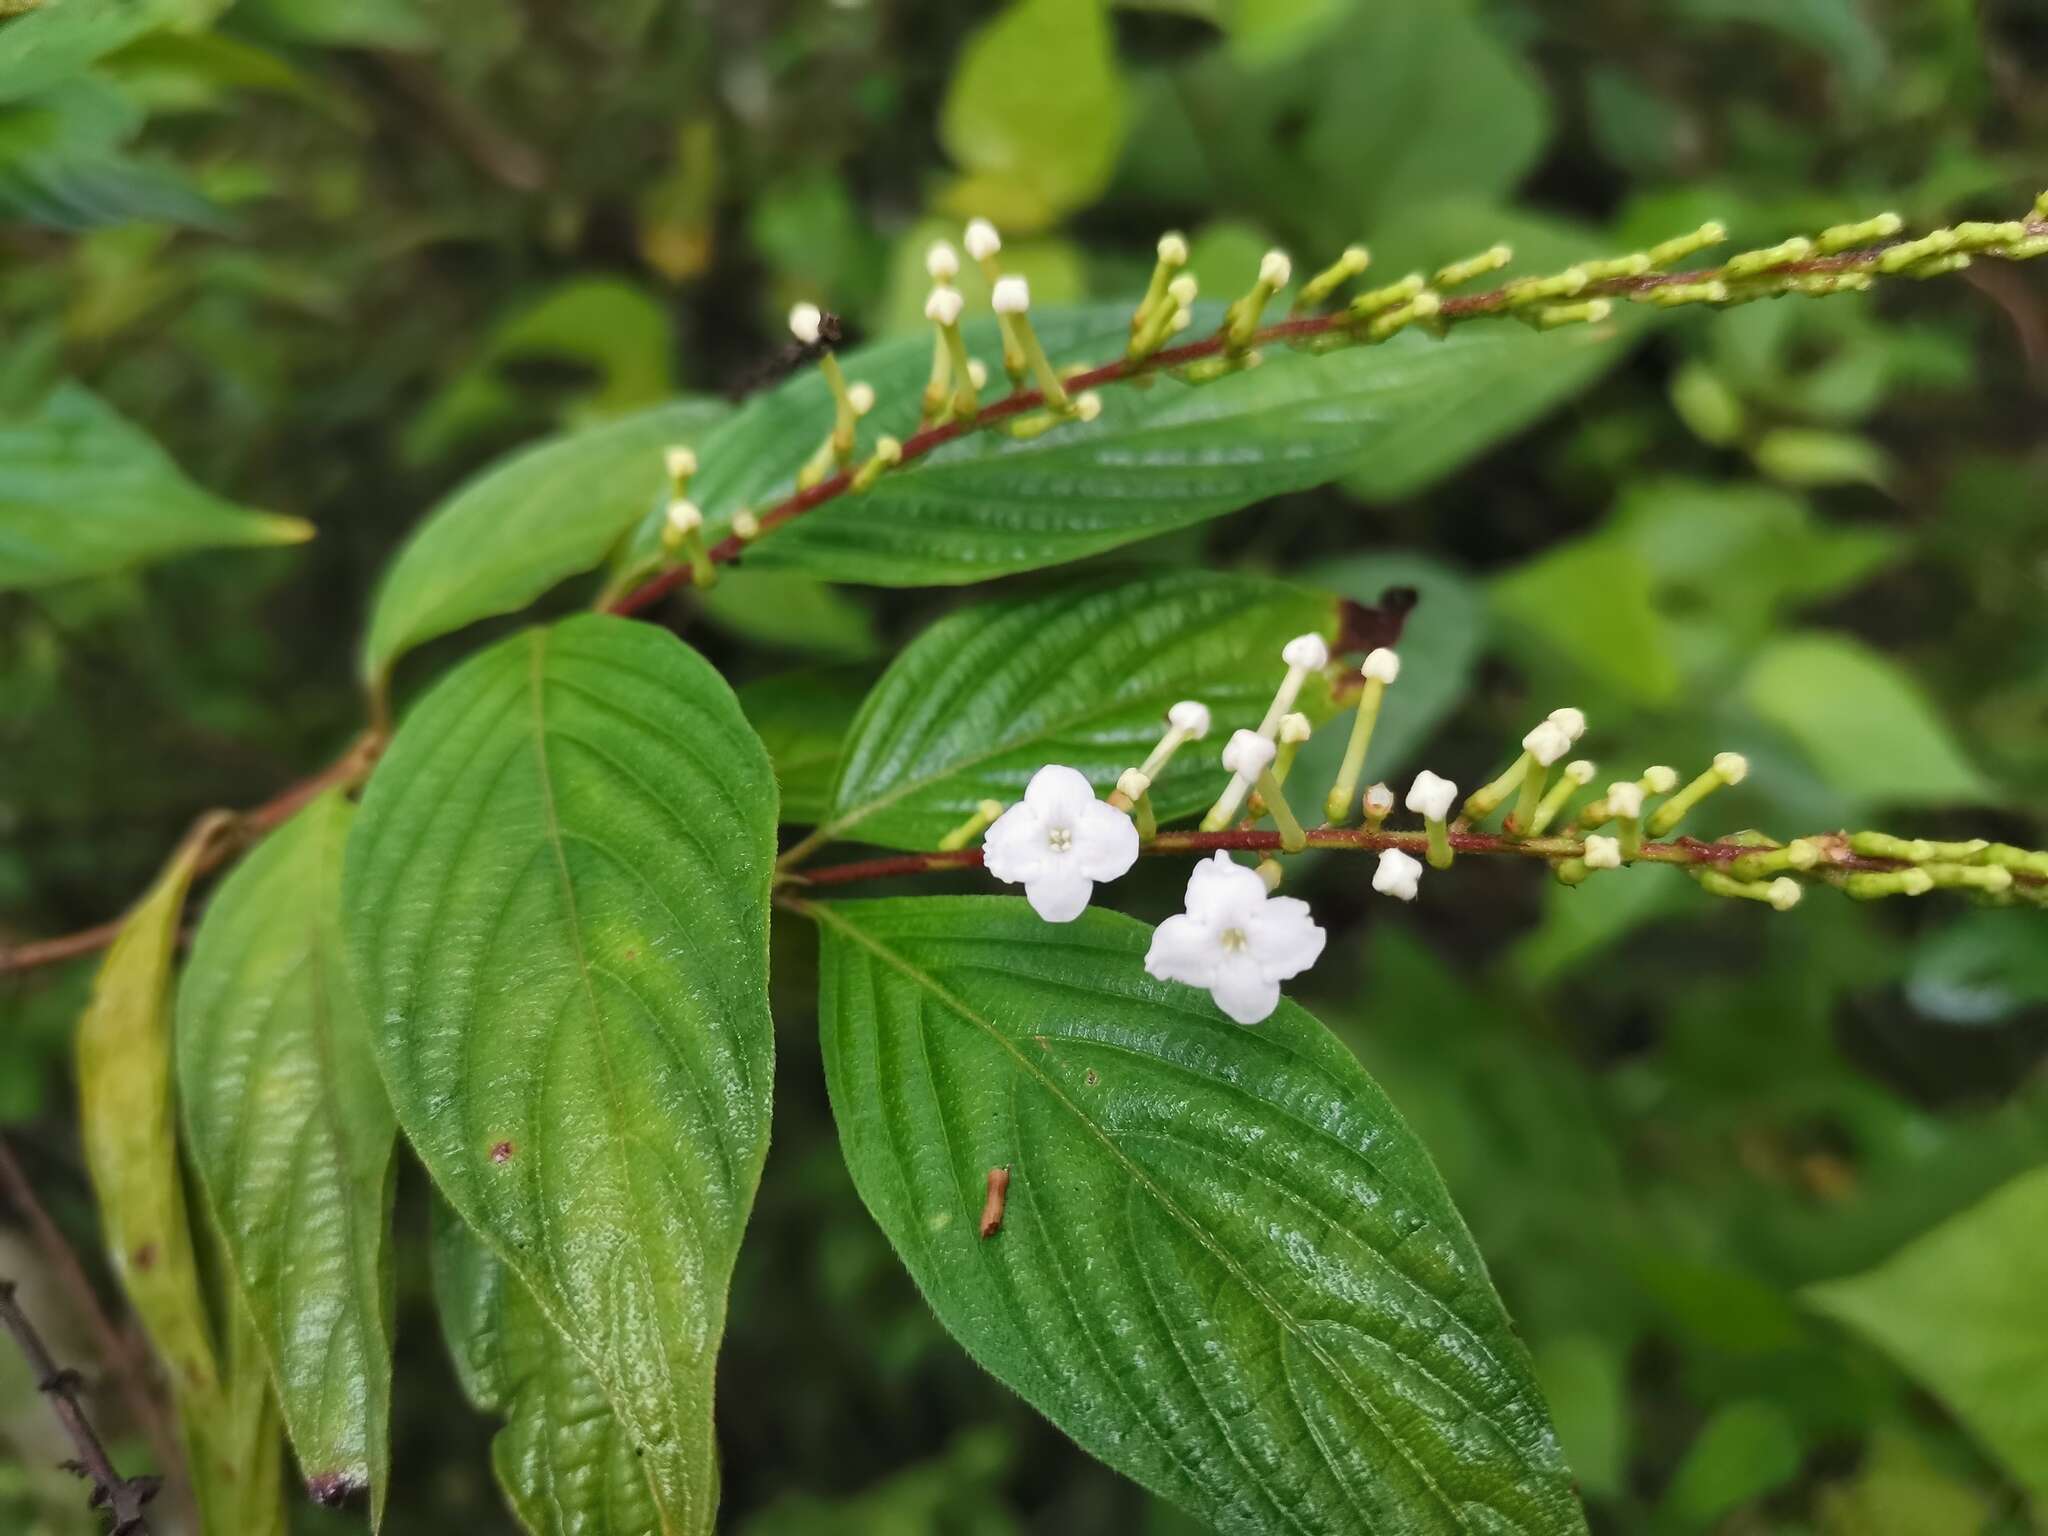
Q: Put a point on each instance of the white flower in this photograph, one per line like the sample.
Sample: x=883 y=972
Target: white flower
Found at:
x=1625 y=800
x=682 y=463
x=1173 y=249
x=1379 y=799
x=941 y=261
x=1547 y=742
x=1733 y=767
x=943 y=306
x=1381 y=665
x=1660 y=780
x=1248 y=754
x=861 y=397
x=1190 y=717
x=1398 y=875
x=1235 y=938
x=1011 y=296
x=1430 y=797
x=1603 y=852
x=805 y=323
x=1571 y=721
x=1058 y=842
x=1275 y=269
x=1306 y=652
x=981 y=240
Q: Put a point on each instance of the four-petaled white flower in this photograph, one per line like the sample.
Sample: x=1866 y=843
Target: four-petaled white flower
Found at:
x=1059 y=842
x=1236 y=939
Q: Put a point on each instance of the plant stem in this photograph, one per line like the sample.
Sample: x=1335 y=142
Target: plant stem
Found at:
x=123 y=1498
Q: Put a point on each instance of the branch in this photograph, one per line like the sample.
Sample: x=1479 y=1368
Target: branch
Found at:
x=346 y=771
x=123 y=1498
x=1836 y=856
x=1340 y=323
x=118 y=1354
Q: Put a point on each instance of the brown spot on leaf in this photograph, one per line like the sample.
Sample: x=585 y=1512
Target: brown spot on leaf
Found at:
x=502 y=1152
x=334 y=1488
x=145 y=1257
x=1093 y=1077
x=998 y=1197
x=1360 y=628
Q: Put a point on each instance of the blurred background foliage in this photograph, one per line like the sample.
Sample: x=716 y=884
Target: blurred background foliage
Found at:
x=1754 y=1187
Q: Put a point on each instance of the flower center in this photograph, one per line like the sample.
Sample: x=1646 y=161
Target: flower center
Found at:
x=1232 y=939
x=1059 y=839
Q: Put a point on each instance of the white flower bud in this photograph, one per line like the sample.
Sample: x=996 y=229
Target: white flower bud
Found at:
x=977 y=373
x=1012 y=295
x=1190 y=717
x=1547 y=742
x=1431 y=797
x=1181 y=321
x=1381 y=665
x=1625 y=799
x=1571 y=721
x=1785 y=893
x=1660 y=780
x=684 y=517
x=1733 y=767
x=1398 y=875
x=682 y=463
x=1275 y=269
x=1580 y=771
x=1173 y=249
x=981 y=240
x=942 y=306
x=941 y=261
x=745 y=526
x=1603 y=852
x=1182 y=289
x=1295 y=728
x=1308 y=652
x=1087 y=406
x=861 y=397
x=1248 y=754
x=1379 y=799
x=1132 y=784
x=805 y=322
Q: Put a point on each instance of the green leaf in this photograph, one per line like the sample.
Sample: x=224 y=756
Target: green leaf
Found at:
x=1592 y=603
x=780 y=611
x=530 y=521
x=1959 y=1309
x=62 y=164
x=1156 y=459
x=130 y=1132
x=802 y=719
x=1866 y=725
x=291 y=1134
x=988 y=696
x=1035 y=113
x=556 y=901
x=565 y=1465
x=59 y=38
x=235 y=1445
x=1745 y=1451
x=83 y=492
x=1226 y=1268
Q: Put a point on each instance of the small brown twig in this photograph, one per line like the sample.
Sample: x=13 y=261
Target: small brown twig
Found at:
x=123 y=1498
x=121 y=1354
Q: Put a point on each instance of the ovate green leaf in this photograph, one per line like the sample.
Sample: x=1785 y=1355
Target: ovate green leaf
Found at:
x=557 y=906
x=1866 y=725
x=235 y=1444
x=83 y=492
x=564 y=1462
x=985 y=698
x=1960 y=1310
x=1226 y=1267
x=291 y=1133
x=526 y=523
x=802 y=719
x=1156 y=459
